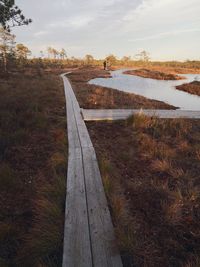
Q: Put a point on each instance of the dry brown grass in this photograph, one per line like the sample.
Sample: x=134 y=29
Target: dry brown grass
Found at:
x=97 y=97
x=174 y=70
x=154 y=74
x=191 y=88
x=33 y=160
x=153 y=188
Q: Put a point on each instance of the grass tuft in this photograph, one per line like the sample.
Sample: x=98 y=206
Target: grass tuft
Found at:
x=154 y=188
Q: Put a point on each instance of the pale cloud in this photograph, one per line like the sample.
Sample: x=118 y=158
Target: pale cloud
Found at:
x=152 y=15
x=114 y=26
x=74 y=22
x=40 y=33
x=164 y=35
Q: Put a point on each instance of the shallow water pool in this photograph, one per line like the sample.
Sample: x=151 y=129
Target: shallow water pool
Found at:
x=154 y=89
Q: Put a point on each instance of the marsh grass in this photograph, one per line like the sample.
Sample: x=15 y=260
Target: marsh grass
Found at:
x=153 y=188
x=154 y=74
x=33 y=163
x=45 y=240
x=191 y=88
x=106 y=170
x=98 y=97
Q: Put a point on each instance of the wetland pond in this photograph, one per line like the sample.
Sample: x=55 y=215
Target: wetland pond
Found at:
x=154 y=89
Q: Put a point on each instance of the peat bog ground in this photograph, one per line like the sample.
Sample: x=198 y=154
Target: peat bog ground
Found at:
x=150 y=169
x=191 y=88
x=97 y=97
x=154 y=74
x=33 y=162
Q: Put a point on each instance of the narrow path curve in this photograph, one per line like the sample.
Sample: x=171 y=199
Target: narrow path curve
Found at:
x=121 y=114
x=88 y=235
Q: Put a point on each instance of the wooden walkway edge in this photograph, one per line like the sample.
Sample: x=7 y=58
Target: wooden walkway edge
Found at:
x=88 y=235
x=121 y=114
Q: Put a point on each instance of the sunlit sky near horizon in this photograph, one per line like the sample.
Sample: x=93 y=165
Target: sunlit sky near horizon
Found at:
x=167 y=29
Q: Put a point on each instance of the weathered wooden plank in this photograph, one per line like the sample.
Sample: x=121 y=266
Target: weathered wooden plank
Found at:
x=73 y=137
x=117 y=114
x=77 y=245
x=83 y=132
x=104 y=249
x=85 y=196
x=77 y=252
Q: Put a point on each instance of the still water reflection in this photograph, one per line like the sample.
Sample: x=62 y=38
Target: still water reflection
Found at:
x=154 y=89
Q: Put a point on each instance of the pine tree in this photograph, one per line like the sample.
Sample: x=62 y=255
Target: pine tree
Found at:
x=11 y=15
x=7 y=43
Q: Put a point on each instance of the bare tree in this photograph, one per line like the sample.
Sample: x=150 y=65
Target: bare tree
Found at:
x=49 y=51
x=144 y=56
x=111 y=59
x=89 y=59
x=22 y=51
x=63 y=54
x=126 y=59
x=55 y=53
x=42 y=54
x=7 y=43
x=52 y=52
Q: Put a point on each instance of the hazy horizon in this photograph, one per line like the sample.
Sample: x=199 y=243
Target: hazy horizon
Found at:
x=167 y=29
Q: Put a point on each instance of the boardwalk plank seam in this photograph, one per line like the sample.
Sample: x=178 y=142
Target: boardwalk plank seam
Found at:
x=77 y=242
x=70 y=95
x=104 y=252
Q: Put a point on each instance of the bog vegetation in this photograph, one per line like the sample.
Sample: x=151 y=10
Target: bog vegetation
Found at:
x=191 y=88
x=97 y=97
x=150 y=168
x=154 y=74
x=33 y=162
x=19 y=56
x=33 y=159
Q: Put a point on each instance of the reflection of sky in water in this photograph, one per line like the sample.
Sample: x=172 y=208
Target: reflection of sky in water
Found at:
x=154 y=89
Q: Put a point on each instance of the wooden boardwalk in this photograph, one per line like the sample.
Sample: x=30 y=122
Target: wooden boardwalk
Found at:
x=121 y=114
x=88 y=236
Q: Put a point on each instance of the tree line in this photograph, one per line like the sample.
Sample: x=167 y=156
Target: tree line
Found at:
x=19 y=55
x=12 y=54
x=11 y=16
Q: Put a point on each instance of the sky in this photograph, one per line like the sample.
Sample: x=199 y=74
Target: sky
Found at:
x=167 y=29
